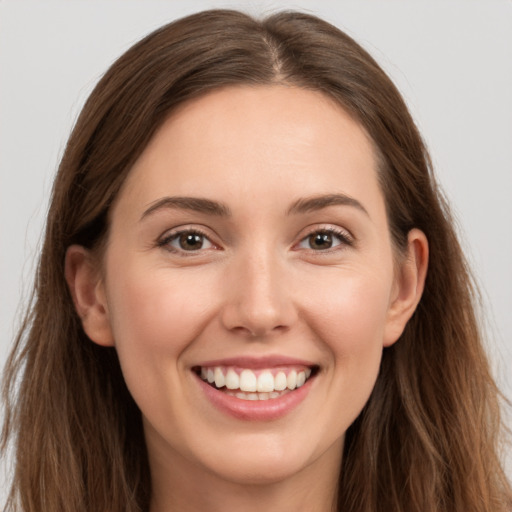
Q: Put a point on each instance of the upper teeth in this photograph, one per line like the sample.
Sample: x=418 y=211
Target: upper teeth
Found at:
x=246 y=380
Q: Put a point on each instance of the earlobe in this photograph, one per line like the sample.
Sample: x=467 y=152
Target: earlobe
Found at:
x=410 y=282
x=87 y=290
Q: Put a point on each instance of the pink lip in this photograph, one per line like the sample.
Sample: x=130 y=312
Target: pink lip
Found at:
x=255 y=363
x=256 y=410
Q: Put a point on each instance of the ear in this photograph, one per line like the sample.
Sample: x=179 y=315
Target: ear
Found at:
x=409 y=285
x=87 y=289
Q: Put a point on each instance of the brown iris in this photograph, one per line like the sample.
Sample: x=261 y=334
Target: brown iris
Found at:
x=190 y=241
x=320 y=240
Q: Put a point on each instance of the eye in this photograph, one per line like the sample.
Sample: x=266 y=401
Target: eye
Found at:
x=186 y=240
x=325 y=239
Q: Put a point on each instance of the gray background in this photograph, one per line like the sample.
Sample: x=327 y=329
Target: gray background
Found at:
x=452 y=60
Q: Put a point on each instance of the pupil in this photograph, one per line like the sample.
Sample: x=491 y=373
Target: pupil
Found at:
x=191 y=241
x=321 y=241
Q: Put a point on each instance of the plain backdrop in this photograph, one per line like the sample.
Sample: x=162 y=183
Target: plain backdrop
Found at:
x=452 y=60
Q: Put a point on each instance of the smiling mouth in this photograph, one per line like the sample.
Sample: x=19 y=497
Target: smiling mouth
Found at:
x=248 y=384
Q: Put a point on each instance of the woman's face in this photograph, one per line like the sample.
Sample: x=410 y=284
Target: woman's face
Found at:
x=250 y=246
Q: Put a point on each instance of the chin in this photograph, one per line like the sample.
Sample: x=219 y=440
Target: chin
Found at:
x=267 y=459
x=259 y=471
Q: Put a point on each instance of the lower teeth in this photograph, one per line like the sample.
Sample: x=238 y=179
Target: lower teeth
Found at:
x=255 y=396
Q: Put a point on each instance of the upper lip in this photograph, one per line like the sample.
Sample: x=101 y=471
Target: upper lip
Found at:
x=259 y=362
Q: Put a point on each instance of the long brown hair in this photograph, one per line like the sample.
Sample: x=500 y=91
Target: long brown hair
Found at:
x=428 y=438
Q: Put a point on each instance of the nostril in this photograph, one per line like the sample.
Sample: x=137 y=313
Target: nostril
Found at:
x=257 y=332
x=258 y=307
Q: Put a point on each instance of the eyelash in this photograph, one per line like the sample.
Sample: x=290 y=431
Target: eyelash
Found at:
x=166 y=241
x=344 y=238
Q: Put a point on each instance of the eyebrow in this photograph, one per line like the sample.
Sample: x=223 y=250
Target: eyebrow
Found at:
x=201 y=205
x=196 y=204
x=313 y=203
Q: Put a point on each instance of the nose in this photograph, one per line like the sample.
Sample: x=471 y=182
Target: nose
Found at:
x=258 y=301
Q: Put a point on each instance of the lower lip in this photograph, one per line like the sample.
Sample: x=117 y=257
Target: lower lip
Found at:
x=255 y=410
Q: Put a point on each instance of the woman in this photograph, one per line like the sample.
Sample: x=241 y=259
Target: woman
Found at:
x=233 y=307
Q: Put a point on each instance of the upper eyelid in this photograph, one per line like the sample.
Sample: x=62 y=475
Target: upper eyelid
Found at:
x=193 y=228
x=333 y=228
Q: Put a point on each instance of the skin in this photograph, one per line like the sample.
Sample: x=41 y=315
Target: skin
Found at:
x=257 y=286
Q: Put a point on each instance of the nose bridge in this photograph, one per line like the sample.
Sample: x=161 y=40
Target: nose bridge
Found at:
x=259 y=300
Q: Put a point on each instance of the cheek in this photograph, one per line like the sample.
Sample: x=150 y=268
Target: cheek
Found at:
x=349 y=318
x=351 y=310
x=155 y=313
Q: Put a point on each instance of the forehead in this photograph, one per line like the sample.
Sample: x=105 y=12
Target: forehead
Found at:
x=239 y=142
